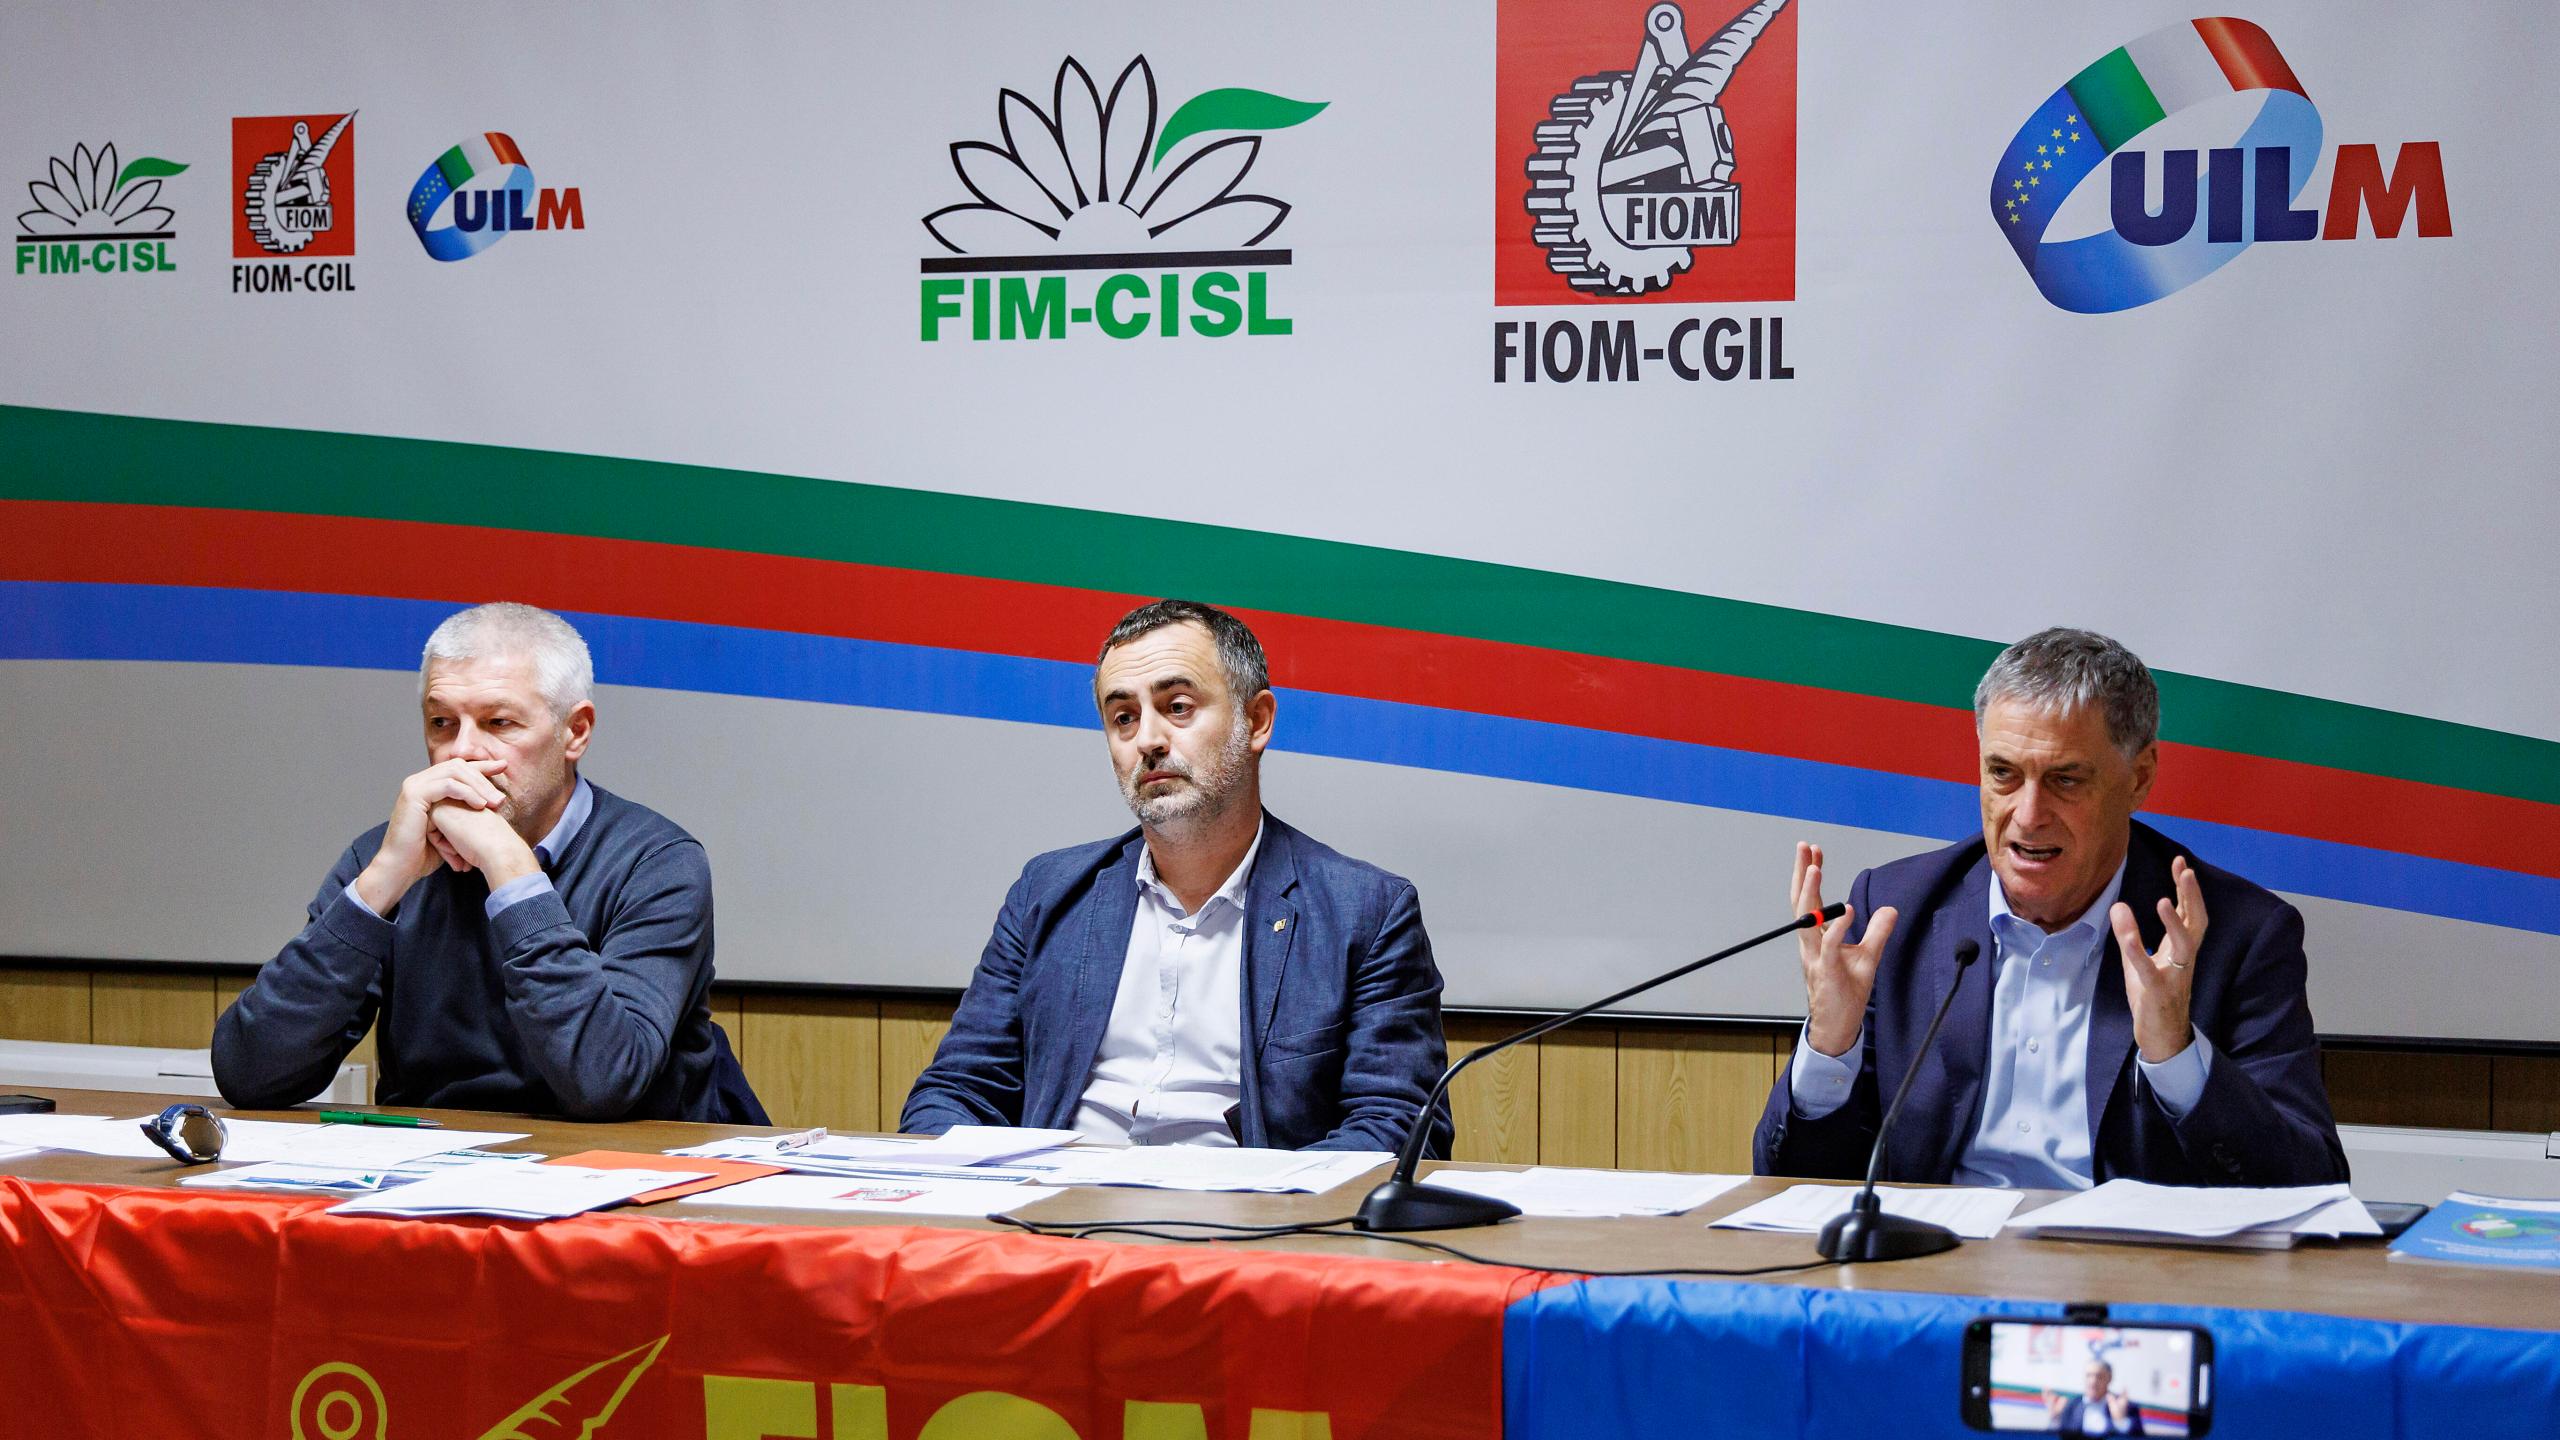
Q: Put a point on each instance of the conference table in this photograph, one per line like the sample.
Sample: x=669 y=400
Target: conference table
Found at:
x=131 y=1306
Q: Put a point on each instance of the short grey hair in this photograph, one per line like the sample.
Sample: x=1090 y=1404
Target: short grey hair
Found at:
x=1239 y=653
x=562 y=668
x=2063 y=670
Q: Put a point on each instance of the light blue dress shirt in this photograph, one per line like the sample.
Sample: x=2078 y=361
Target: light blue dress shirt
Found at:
x=582 y=803
x=2034 y=1126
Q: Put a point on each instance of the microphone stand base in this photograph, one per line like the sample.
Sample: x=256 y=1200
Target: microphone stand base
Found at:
x=1411 y=1205
x=1868 y=1233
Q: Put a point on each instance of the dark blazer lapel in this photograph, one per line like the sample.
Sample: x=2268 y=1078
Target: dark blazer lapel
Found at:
x=2146 y=882
x=1271 y=930
x=1103 y=952
x=1964 y=1044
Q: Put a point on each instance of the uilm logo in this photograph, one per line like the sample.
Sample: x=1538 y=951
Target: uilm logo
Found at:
x=479 y=192
x=2214 y=203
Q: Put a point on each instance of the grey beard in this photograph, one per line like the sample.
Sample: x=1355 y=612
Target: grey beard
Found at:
x=1211 y=796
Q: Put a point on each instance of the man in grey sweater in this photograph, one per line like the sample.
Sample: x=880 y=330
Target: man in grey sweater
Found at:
x=526 y=940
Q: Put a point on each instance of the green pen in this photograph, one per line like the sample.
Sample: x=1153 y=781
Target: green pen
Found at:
x=367 y=1117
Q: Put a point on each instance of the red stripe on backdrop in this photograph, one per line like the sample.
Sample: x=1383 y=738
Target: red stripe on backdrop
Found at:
x=153 y=545
x=2248 y=56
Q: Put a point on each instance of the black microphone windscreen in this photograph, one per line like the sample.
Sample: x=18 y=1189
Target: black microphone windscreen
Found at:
x=1967 y=951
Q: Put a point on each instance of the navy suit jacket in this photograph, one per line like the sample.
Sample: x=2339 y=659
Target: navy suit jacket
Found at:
x=2264 y=1116
x=1341 y=1024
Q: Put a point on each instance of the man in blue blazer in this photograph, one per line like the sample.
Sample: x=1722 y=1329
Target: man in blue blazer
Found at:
x=2141 y=1014
x=1212 y=977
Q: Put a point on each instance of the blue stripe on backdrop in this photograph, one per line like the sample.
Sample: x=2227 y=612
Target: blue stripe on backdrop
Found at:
x=52 y=621
x=1655 y=1357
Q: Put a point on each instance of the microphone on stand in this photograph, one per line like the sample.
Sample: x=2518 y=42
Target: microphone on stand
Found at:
x=1866 y=1232
x=1404 y=1203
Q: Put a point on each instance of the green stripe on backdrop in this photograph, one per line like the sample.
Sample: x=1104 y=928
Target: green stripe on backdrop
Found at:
x=73 y=456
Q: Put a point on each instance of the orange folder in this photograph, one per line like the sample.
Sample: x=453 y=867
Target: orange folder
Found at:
x=723 y=1172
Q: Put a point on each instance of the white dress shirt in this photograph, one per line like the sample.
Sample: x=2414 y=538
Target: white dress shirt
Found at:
x=2033 y=1128
x=1171 y=1062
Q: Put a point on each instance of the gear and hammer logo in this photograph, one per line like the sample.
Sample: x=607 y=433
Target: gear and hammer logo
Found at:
x=1635 y=169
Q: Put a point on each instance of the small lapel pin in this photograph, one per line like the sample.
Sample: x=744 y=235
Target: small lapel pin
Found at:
x=1279 y=925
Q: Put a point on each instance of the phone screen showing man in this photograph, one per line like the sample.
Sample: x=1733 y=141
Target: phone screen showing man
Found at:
x=2056 y=1379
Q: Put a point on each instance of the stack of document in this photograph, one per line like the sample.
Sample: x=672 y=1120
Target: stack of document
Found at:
x=967 y=1152
x=1557 y=1192
x=81 y=1134
x=353 y=1147
x=516 y=1192
x=983 y=1154
x=1205 y=1168
x=881 y=1195
x=1971 y=1213
x=291 y=1175
x=2142 y=1213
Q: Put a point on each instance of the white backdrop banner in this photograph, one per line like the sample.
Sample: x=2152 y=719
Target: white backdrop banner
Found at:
x=1631 y=427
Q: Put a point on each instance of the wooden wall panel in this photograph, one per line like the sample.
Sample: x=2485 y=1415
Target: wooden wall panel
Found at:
x=729 y=1012
x=910 y=1031
x=1578 y=1097
x=129 y=1007
x=2524 y=1093
x=1649 y=1097
x=1495 y=1104
x=2408 y=1087
x=1688 y=1099
x=44 y=1005
x=814 y=1059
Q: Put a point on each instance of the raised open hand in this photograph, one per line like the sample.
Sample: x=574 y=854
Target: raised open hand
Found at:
x=1838 y=976
x=2158 y=986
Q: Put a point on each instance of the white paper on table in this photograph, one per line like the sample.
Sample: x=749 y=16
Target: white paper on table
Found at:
x=965 y=1198
x=19 y=1152
x=1562 y=1193
x=346 y=1180
x=2195 y=1212
x=286 y=1175
x=516 y=1192
x=348 y=1147
x=2340 y=1217
x=1975 y=1214
x=1203 y=1168
x=983 y=1145
x=770 y=1150
x=84 y=1134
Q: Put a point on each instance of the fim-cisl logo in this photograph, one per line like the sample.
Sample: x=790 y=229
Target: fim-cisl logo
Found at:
x=2235 y=138
x=481 y=191
x=295 y=176
x=1091 y=218
x=94 y=217
x=1671 y=182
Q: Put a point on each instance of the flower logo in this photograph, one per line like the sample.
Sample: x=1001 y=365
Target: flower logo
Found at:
x=89 y=198
x=1086 y=176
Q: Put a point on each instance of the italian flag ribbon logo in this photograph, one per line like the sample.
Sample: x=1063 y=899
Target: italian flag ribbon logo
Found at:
x=2099 y=111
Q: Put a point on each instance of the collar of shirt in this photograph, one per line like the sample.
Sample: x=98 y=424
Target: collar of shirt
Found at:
x=2084 y=936
x=1232 y=891
x=573 y=818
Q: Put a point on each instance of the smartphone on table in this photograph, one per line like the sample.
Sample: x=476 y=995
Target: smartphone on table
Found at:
x=2057 y=1377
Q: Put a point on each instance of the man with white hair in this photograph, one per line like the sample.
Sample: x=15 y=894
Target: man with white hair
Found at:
x=1213 y=977
x=526 y=940
x=2141 y=1014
